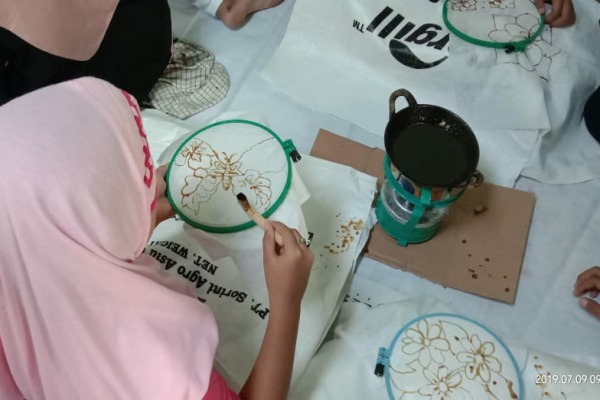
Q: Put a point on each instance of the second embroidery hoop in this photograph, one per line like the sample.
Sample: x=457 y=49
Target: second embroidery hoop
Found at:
x=443 y=354
x=465 y=20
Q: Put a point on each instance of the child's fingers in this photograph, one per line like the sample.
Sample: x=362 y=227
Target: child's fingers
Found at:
x=590 y=306
x=587 y=285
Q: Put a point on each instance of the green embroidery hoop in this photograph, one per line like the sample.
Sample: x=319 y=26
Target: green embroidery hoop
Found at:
x=287 y=147
x=518 y=45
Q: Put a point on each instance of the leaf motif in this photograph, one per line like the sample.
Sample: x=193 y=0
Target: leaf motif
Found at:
x=191 y=184
x=407 y=377
x=454 y=334
x=191 y=202
x=209 y=185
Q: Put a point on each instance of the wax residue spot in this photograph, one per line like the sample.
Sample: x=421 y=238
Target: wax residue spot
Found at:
x=513 y=395
x=346 y=235
x=484 y=269
x=479 y=209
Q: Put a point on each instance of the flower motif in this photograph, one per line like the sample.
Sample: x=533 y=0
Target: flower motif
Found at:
x=463 y=5
x=501 y=3
x=197 y=190
x=197 y=154
x=478 y=358
x=442 y=385
x=426 y=341
x=259 y=185
x=538 y=54
x=514 y=29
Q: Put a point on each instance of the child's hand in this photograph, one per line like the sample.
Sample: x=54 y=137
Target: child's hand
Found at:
x=287 y=267
x=562 y=13
x=164 y=210
x=589 y=282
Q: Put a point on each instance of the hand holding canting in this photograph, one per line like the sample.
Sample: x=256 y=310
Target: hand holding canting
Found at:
x=287 y=267
x=164 y=210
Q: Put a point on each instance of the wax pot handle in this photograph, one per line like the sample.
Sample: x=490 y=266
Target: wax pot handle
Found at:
x=404 y=93
x=476 y=179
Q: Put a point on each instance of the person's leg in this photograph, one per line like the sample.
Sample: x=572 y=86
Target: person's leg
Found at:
x=235 y=13
x=591 y=114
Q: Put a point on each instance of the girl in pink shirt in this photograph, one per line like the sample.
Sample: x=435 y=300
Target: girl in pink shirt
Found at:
x=83 y=313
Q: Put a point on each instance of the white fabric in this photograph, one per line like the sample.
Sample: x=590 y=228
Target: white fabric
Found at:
x=568 y=153
x=242 y=318
x=344 y=366
x=209 y=6
x=553 y=257
x=562 y=243
x=360 y=73
x=162 y=131
x=226 y=269
x=243 y=248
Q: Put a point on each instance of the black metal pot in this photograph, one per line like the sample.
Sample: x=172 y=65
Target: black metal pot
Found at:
x=431 y=145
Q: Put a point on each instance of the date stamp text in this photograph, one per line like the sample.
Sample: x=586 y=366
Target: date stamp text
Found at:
x=565 y=379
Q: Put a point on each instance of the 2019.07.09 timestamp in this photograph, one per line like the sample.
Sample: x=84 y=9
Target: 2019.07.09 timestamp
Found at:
x=544 y=379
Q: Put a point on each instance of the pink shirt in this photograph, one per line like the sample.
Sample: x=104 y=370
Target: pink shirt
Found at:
x=83 y=313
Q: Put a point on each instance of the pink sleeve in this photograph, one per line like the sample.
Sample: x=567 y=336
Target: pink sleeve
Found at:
x=218 y=389
x=8 y=387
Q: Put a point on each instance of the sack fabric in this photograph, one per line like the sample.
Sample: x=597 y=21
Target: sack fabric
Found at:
x=346 y=58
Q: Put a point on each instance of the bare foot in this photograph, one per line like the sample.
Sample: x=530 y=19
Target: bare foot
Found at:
x=235 y=13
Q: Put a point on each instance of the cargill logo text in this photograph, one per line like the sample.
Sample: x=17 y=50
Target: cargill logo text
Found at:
x=406 y=32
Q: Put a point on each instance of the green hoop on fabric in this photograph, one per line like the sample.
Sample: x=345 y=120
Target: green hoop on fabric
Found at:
x=520 y=45
x=286 y=146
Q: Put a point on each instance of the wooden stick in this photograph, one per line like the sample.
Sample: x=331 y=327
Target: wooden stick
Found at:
x=256 y=216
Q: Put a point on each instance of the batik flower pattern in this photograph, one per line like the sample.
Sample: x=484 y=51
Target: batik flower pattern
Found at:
x=445 y=359
x=209 y=170
x=537 y=55
x=479 y=359
x=425 y=341
x=442 y=385
x=463 y=5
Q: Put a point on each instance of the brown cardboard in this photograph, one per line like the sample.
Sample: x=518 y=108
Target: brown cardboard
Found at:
x=476 y=252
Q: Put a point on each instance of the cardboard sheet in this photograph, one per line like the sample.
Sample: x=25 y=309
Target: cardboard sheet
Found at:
x=480 y=253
